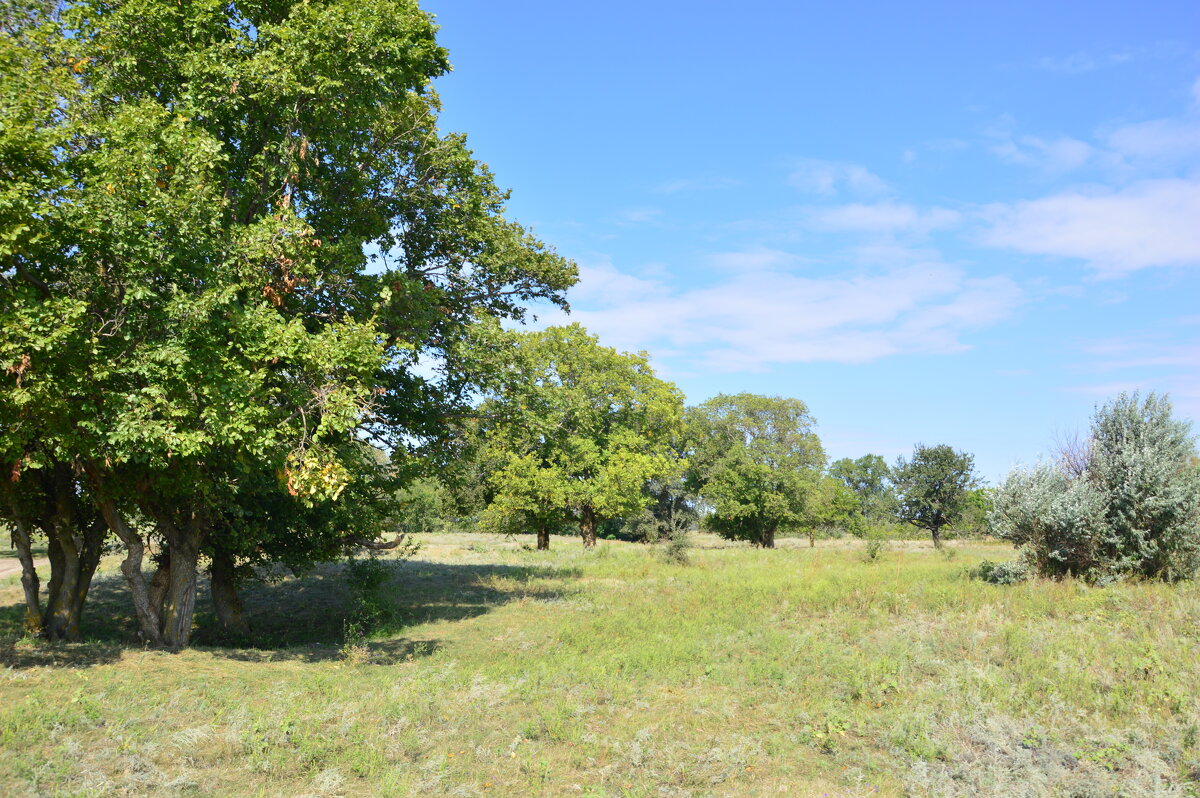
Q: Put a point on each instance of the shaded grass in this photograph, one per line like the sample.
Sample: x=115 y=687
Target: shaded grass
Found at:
x=510 y=672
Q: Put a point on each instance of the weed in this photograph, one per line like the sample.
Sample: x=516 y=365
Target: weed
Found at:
x=675 y=548
x=875 y=545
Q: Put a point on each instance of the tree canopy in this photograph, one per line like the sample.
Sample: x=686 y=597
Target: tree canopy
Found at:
x=231 y=239
x=933 y=487
x=757 y=464
x=576 y=432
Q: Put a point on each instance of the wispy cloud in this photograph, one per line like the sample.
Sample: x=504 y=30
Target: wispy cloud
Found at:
x=639 y=215
x=829 y=178
x=755 y=259
x=1082 y=61
x=696 y=184
x=883 y=217
x=1056 y=155
x=754 y=319
x=1149 y=223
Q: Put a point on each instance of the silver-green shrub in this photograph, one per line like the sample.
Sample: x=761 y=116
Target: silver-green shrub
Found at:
x=1133 y=509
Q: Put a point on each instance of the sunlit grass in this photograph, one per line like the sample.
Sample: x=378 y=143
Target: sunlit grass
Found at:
x=504 y=671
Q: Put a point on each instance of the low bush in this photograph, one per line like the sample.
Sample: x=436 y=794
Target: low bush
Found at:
x=1001 y=573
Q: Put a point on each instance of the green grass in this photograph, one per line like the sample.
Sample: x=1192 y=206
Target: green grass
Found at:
x=503 y=671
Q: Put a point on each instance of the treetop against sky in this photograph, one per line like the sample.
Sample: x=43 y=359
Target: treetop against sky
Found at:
x=932 y=221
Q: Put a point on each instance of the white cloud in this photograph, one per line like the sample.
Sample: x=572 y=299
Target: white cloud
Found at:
x=1157 y=139
x=1149 y=223
x=1056 y=155
x=830 y=177
x=602 y=283
x=757 y=318
x=884 y=217
x=755 y=259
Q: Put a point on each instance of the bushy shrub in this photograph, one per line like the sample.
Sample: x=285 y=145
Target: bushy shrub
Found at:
x=1002 y=573
x=366 y=578
x=675 y=548
x=1131 y=509
x=1055 y=520
x=876 y=543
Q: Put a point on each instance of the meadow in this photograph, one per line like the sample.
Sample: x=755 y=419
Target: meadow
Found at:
x=494 y=669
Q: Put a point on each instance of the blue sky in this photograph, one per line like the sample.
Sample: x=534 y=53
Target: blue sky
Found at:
x=933 y=222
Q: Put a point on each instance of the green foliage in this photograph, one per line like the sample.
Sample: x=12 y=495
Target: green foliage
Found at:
x=757 y=464
x=1002 y=573
x=576 y=430
x=421 y=507
x=230 y=234
x=675 y=547
x=876 y=543
x=870 y=478
x=837 y=509
x=933 y=487
x=974 y=519
x=366 y=579
x=1133 y=508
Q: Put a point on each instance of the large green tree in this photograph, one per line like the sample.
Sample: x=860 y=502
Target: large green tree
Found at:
x=231 y=240
x=576 y=431
x=757 y=464
x=933 y=487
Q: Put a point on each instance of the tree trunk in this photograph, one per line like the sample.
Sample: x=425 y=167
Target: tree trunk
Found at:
x=812 y=539
x=223 y=587
x=146 y=612
x=179 y=605
x=61 y=621
x=587 y=527
x=29 y=575
x=937 y=537
x=159 y=582
x=768 y=539
x=543 y=538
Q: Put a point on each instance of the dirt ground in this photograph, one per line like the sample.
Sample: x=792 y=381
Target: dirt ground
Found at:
x=11 y=566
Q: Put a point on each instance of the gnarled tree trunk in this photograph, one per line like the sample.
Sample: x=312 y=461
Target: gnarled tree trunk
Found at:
x=144 y=609
x=29 y=575
x=179 y=603
x=74 y=547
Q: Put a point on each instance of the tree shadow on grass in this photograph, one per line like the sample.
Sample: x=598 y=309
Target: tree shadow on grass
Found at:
x=301 y=619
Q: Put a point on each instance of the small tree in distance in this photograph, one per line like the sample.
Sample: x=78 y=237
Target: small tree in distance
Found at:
x=933 y=487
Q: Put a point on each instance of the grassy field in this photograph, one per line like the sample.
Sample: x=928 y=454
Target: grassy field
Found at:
x=506 y=671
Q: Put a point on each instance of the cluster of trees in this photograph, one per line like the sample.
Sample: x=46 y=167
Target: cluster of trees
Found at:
x=575 y=433
x=238 y=262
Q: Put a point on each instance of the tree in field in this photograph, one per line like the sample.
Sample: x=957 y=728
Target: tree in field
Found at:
x=870 y=478
x=1129 y=505
x=933 y=487
x=576 y=432
x=757 y=464
x=834 y=507
x=192 y=331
